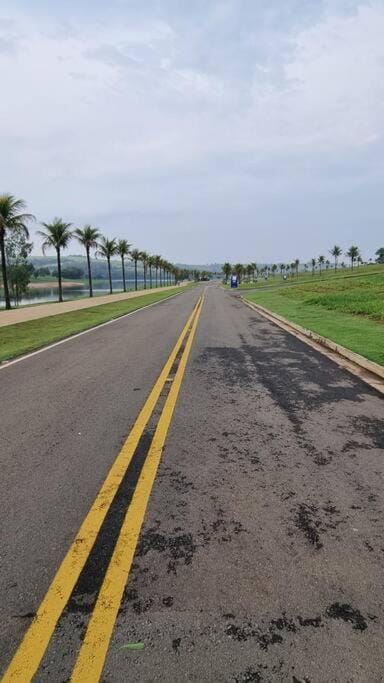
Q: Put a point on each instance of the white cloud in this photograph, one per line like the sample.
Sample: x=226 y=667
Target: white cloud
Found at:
x=211 y=121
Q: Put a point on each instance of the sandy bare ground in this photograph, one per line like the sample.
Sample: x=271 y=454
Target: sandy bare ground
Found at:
x=22 y=315
x=53 y=283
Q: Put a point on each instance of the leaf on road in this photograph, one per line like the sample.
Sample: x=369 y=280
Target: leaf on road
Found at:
x=132 y=646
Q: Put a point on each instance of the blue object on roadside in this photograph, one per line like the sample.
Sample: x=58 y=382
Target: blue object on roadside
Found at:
x=234 y=282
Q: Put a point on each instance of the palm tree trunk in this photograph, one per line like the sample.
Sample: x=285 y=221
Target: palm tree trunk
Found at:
x=89 y=273
x=135 y=276
x=150 y=277
x=59 y=274
x=123 y=268
x=160 y=279
x=4 y=271
x=145 y=275
x=109 y=275
x=156 y=276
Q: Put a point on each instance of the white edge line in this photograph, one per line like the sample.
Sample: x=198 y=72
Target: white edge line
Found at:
x=6 y=364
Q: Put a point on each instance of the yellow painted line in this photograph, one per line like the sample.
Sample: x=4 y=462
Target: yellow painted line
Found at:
x=90 y=662
x=35 y=642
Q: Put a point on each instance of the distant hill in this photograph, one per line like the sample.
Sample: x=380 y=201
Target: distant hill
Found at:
x=99 y=266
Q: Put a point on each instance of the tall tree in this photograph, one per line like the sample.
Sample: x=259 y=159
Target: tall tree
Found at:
x=19 y=270
x=227 y=270
x=122 y=249
x=353 y=253
x=239 y=270
x=335 y=252
x=297 y=263
x=144 y=260
x=151 y=264
x=57 y=235
x=135 y=256
x=88 y=236
x=106 y=249
x=321 y=261
x=313 y=264
x=157 y=262
x=12 y=219
x=380 y=255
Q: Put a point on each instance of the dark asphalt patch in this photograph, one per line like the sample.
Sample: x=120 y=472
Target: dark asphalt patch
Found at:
x=179 y=548
x=308 y=523
x=372 y=428
x=348 y=614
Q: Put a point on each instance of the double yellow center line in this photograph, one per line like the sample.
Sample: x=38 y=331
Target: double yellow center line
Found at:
x=94 y=648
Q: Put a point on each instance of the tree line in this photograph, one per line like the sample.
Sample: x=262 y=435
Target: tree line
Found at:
x=14 y=223
x=252 y=271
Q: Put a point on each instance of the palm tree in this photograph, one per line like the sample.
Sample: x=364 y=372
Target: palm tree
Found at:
x=313 y=263
x=107 y=249
x=144 y=259
x=227 y=270
x=254 y=269
x=239 y=269
x=162 y=270
x=274 y=269
x=135 y=255
x=353 y=253
x=282 y=267
x=321 y=261
x=335 y=252
x=88 y=236
x=57 y=234
x=297 y=263
x=151 y=264
x=11 y=220
x=156 y=263
x=122 y=249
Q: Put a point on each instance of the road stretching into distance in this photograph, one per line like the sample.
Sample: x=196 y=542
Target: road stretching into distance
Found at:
x=253 y=541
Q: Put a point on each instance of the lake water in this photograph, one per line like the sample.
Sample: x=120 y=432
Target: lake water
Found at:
x=45 y=294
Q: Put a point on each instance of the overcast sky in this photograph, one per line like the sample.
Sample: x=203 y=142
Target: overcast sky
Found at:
x=204 y=130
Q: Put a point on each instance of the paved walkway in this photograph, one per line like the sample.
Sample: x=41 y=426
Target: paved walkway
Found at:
x=22 y=315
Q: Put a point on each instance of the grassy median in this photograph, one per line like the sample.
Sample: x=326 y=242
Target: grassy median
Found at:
x=21 y=338
x=350 y=311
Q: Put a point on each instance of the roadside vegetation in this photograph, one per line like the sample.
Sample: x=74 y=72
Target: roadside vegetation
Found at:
x=15 y=249
x=21 y=338
x=348 y=310
x=253 y=275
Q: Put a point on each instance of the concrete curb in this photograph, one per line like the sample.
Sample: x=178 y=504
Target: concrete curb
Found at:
x=370 y=372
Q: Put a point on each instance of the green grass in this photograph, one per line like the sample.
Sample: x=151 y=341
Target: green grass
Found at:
x=21 y=338
x=350 y=311
x=306 y=278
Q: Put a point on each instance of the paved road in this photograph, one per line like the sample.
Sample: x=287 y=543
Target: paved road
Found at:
x=261 y=555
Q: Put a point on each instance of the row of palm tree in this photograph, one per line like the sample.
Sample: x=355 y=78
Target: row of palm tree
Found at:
x=58 y=234
x=251 y=270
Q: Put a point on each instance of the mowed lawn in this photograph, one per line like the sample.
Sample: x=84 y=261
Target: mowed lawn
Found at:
x=348 y=310
x=21 y=338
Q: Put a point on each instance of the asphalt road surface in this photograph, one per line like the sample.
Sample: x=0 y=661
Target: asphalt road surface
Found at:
x=262 y=549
